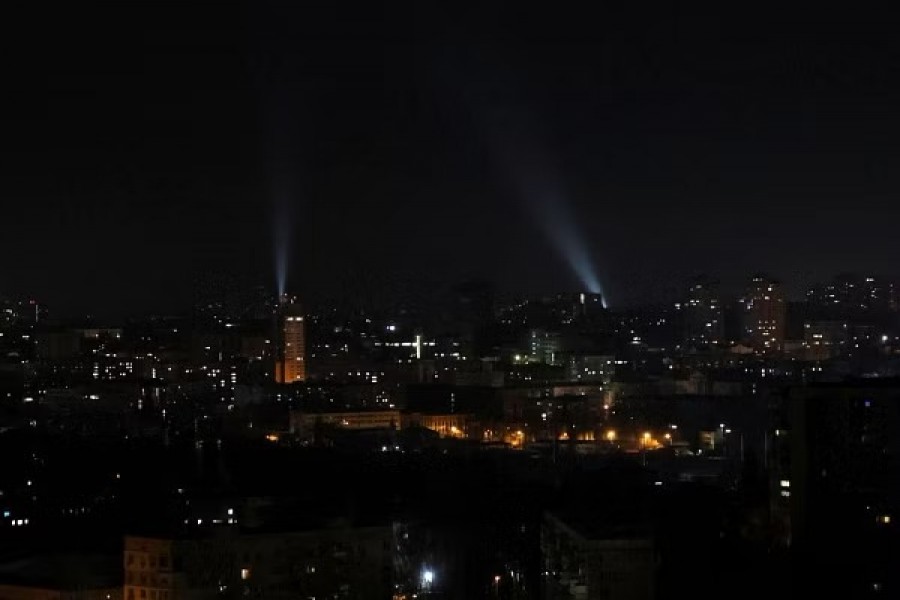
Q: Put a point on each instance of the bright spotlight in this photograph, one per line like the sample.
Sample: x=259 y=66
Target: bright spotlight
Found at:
x=282 y=249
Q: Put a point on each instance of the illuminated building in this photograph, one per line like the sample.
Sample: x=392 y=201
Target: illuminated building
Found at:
x=852 y=296
x=303 y=424
x=415 y=347
x=447 y=425
x=704 y=322
x=149 y=569
x=544 y=346
x=290 y=364
x=585 y=367
x=764 y=315
x=260 y=565
x=824 y=339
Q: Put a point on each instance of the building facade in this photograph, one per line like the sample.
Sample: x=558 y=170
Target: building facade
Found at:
x=579 y=564
x=334 y=562
x=290 y=365
x=764 y=315
x=704 y=323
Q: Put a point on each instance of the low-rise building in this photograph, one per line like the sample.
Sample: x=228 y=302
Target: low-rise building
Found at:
x=589 y=563
x=340 y=561
x=304 y=424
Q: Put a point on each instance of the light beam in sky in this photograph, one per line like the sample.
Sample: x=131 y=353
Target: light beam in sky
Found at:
x=283 y=193
x=536 y=180
x=282 y=245
x=514 y=143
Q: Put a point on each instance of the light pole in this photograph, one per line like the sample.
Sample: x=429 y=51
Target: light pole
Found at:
x=427 y=580
x=725 y=432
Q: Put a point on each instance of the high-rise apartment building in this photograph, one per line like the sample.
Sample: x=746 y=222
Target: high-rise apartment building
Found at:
x=704 y=322
x=290 y=361
x=764 y=314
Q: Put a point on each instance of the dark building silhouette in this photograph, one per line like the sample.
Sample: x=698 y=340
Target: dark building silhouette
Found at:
x=704 y=320
x=764 y=315
x=835 y=481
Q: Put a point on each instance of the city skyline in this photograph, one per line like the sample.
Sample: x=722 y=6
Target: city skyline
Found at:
x=223 y=291
x=406 y=300
x=382 y=147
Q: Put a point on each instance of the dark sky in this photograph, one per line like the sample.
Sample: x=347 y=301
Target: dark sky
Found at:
x=147 y=144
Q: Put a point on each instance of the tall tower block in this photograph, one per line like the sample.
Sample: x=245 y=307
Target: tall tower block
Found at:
x=290 y=362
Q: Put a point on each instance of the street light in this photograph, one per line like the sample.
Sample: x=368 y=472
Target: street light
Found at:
x=427 y=578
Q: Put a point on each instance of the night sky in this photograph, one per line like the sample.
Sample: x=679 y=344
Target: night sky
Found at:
x=148 y=144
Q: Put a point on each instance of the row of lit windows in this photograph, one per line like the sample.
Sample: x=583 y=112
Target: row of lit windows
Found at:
x=145 y=561
x=145 y=594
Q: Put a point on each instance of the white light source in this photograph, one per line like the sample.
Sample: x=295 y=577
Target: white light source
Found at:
x=427 y=577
